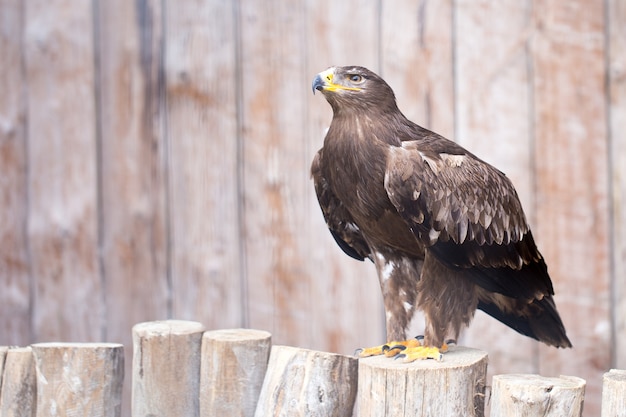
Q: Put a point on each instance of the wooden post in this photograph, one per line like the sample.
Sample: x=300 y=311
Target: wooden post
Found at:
x=614 y=394
x=533 y=395
x=82 y=379
x=166 y=368
x=18 y=385
x=301 y=382
x=389 y=388
x=454 y=386
x=232 y=370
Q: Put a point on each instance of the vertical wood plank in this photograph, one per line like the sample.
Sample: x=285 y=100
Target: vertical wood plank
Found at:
x=275 y=169
x=417 y=60
x=133 y=168
x=202 y=130
x=346 y=311
x=494 y=122
x=572 y=183
x=15 y=300
x=617 y=120
x=62 y=183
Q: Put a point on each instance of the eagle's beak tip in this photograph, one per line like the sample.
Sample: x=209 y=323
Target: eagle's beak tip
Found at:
x=318 y=84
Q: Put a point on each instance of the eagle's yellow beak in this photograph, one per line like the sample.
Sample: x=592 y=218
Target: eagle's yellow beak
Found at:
x=324 y=82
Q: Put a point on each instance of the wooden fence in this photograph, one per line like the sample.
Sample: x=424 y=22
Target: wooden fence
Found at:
x=178 y=369
x=154 y=163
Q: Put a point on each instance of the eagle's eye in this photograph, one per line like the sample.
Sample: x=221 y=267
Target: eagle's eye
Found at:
x=355 y=78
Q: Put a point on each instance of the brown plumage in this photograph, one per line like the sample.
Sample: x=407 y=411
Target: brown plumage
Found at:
x=445 y=229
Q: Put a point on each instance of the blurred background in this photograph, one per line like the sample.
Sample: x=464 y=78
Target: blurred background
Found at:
x=154 y=163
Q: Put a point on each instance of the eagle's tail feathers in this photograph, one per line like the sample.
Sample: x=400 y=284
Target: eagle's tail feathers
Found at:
x=538 y=320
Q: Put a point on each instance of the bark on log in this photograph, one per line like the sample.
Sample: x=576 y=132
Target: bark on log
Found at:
x=453 y=387
x=79 y=379
x=18 y=392
x=232 y=370
x=524 y=395
x=3 y=354
x=166 y=368
x=301 y=382
x=614 y=393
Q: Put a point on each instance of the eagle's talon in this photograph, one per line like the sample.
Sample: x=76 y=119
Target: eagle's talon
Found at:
x=423 y=352
x=370 y=351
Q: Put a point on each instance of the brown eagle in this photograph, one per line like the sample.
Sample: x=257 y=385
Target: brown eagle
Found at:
x=445 y=229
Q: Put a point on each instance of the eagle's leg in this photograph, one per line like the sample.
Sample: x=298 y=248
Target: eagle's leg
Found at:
x=398 y=278
x=449 y=300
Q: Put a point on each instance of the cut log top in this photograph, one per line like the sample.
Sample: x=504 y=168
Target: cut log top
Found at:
x=167 y=327
x=542 y=382
x=237 y=335
x=72 y=345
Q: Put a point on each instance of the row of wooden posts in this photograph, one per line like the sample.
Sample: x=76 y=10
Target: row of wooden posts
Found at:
x=181 y=370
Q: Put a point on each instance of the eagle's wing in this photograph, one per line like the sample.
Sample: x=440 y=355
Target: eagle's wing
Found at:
x=467 y=214
x=338 y=219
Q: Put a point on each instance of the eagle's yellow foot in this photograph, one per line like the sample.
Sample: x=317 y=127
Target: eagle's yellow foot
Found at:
x=423 y=352
x=390 y=349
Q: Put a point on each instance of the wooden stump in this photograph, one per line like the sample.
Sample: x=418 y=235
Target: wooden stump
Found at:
x=166 y=368
x=79 y=379
x=614 y=394
x=18 y=382
x=453 y=387
x=533 y=395
x=302 y=382
x=232 y=371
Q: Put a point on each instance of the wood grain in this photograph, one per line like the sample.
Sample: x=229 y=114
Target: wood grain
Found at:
x=18 y=384
x=614 y=394
x=417 y=60
x=301 y=382
x=133 y=169
x=232 y=370
x=201 y=85
x=62 y=171
x=617 y=120
x=525 y=395
x=166 y=368
x=82 y=379
x=572 y=192
x=15 y=279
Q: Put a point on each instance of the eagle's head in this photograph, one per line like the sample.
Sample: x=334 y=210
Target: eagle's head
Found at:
x=354 y=87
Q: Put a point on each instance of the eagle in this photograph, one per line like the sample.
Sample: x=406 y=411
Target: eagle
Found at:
x=445 y=229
